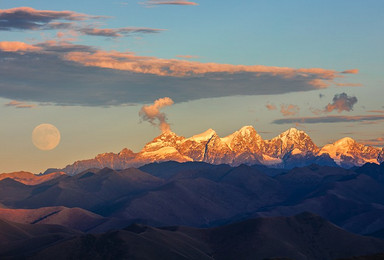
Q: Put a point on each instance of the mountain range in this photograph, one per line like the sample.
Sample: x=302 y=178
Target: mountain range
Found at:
x=198 y=194
x=203 y=197
x=292 y=148
x=194 y=210
x=301 y=237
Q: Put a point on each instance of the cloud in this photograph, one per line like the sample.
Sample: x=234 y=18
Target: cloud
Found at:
x=18 y=104
x=152 y=114
x=352 y=71
x=181 y=68
x=26 y=18
x=187 y=56
x=65 y=73
x=328 y=119
x=17 y=47
x=341 y=102
x=270 y=107
x=349 y=84
x=378 y=142
x=118 y=32
x=175 y=2
x=376 y=111
x=289 y=110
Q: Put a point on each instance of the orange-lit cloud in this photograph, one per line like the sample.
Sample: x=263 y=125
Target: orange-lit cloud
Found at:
x=349 y=84
x=18 y=104
x=18 y=47
x=27 y=18
x=329 y=119
x=376 y=111
x=187 y=56
x=137 y=79
x=270 y=107
x=352 y=71
x=289 y=110
x=152 y=114
x=171 y=2
x=180 y=68
x=67 y=35
x=319 y=83
x=341 y=102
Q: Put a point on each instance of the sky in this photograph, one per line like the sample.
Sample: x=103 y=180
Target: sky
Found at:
x=95 y=69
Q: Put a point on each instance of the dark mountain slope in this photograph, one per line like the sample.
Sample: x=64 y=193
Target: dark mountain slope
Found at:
x=18 y=240
x=90 y=190
x=305 y=236
x=75 y=218
x=204 y=195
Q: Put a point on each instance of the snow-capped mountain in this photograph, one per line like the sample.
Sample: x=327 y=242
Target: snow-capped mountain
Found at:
x=346 y=152
x=292 y=142
x=245 y=146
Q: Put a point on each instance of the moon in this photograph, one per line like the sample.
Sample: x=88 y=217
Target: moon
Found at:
x=46 y=137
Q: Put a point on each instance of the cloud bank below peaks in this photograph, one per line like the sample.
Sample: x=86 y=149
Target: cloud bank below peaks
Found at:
x=65 y=73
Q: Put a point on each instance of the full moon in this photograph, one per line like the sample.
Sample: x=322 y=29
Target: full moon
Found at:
x=45 y=137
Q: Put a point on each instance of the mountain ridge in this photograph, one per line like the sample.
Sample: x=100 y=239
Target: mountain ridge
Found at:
x=302 y=236
x=290 y=149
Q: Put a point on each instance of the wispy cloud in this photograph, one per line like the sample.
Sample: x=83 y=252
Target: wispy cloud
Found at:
x=26 y=18
x=118 y=32
x=187 y=56
x=181 y=68
x=270 y=107
x=341 y=102
x=376 y=111
x=349 y=84
x=328 y=119
x=18 y=47
x=351 y=71
x=165 y=2
x=106 y=78
x=289 y=110
x=18 y=104
x=379 y=142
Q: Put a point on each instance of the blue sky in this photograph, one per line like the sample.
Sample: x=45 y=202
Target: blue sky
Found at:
x=93 y=95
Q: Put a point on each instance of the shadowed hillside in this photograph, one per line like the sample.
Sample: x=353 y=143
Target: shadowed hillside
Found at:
x=305 y=236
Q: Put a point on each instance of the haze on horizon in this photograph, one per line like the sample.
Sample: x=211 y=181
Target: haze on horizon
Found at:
x=90 y=68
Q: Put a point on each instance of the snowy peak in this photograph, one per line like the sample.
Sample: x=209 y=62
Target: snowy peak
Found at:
x=246 y=139
x=246 y=130
x=347 y=152
x=342 y=146
x=245 y=146
x=345 y=142
x=166 y=139
x=292 y=134
x=205 y=136
x=292 y=141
